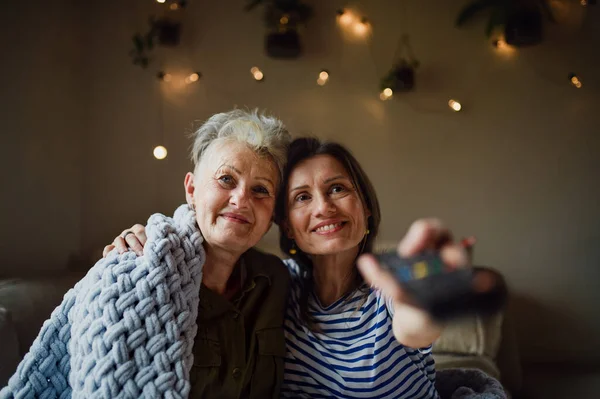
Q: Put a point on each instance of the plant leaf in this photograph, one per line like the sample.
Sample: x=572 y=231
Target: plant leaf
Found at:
x=497 y=18
x=138 y=42
x=252 y=4
x=469 y=11
x=547 y=10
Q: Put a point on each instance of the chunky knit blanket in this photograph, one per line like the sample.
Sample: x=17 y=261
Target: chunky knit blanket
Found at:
x=126 y=330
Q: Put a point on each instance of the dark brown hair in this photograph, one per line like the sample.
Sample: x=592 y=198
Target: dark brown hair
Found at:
x=300 y=150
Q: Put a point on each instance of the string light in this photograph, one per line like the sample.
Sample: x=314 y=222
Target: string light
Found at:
x=454 y=105
x=345 y=17
x=174 y=6
x=584 y=3
x=500 y=44
x=361 y=28
x=386 y=94
x=160 y=1
x=323 y=78
x=160 y=152
x=284 y=20
x=257 y=74
x=165 y=77
x=575 y=81
x=193 y=77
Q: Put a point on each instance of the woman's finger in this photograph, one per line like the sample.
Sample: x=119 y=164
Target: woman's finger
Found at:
x=134 y=243
x=424 y=234
x=455 y=255
x=107 y=249
x=378 y=277
x=120 y=244
x=140 y=233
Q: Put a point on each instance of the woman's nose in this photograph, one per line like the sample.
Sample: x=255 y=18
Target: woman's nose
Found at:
x=324 y=205
x=239 y=197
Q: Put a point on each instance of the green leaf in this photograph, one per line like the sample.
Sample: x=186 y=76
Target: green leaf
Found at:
x=497 y=18
x=547 y=10
x=473 y=8
x=138 y=42
x=252 y=4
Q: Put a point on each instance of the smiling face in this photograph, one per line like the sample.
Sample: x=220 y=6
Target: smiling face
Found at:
x=325 y=213
x=233 y=191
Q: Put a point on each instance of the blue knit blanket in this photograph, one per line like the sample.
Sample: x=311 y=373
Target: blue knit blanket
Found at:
x=127 y=329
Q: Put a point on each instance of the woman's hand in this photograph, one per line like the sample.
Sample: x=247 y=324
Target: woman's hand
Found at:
x=134 y=237
x=413 y=327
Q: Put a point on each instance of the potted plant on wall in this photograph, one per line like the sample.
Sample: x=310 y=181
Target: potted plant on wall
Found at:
x=401 y=77
x=283 y=18
x=521 y=20
x=163 y=31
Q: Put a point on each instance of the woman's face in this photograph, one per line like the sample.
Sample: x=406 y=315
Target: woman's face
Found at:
x=325 y=214
x=233 y=190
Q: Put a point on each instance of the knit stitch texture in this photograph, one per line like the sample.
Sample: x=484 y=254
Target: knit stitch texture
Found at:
x=127 y=329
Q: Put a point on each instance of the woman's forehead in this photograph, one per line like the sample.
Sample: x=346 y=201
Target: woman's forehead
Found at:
x=238 y=157
x=319 y=167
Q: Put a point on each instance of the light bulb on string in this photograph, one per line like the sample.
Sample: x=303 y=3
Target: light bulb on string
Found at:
x=174 y=6
x=362 y=28
x=345 y=17
x=323 y=78
x=194 y=77
x=575 y=81
x=284 y=19
x=160 y=1
x=165 y=77
x=257 y=74
x=160 y=152
x=584 y=3
x=386 y=94
x=454 y=105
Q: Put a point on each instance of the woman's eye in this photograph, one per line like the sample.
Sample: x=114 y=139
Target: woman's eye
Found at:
x=261 y=190
x=226 y=179
x=337 y=189
x=302 y=198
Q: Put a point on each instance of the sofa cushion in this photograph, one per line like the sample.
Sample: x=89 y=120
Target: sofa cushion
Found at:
x=473 y=335
x=9 y=347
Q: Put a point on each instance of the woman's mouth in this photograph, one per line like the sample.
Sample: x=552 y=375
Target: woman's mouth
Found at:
x=234 y=217
x=329 y=228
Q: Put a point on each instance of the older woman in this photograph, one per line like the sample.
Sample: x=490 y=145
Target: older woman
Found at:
x=345 y=339
x=126 y=324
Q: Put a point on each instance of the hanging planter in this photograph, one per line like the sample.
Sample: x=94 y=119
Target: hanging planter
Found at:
x=401 y=77
x=283 y=19
x=163 y=31
x=522 y=21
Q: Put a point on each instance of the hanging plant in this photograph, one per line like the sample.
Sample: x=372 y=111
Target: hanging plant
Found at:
x=401 y=77
x=521 y=20
x=283 y=18
x=163 y=31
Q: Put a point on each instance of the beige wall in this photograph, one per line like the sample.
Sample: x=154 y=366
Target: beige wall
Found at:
x=42 y=117
x=518 y=167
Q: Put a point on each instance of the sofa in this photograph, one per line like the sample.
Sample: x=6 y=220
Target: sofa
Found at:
x=488 y=344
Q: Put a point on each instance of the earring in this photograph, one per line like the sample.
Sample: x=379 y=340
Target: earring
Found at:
x=293 y=249
x=367 y=232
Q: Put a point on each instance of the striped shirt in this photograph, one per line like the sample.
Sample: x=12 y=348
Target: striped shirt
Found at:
x=354 y=354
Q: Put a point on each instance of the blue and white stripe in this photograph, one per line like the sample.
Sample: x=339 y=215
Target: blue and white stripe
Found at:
x=354 y=353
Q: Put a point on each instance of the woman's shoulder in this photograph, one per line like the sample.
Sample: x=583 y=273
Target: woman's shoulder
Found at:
x=268 y=263
x=293 y=268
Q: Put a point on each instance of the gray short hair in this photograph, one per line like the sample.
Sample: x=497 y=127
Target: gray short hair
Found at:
x=264 y=134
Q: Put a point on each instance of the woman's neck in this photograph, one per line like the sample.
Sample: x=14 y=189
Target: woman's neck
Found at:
x=334 y=275
x=218 y=269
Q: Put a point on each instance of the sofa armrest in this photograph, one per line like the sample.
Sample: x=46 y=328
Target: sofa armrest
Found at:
x=9 y=347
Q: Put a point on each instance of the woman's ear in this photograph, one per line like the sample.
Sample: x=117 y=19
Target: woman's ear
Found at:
x=286 y=229
x=189 y=188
